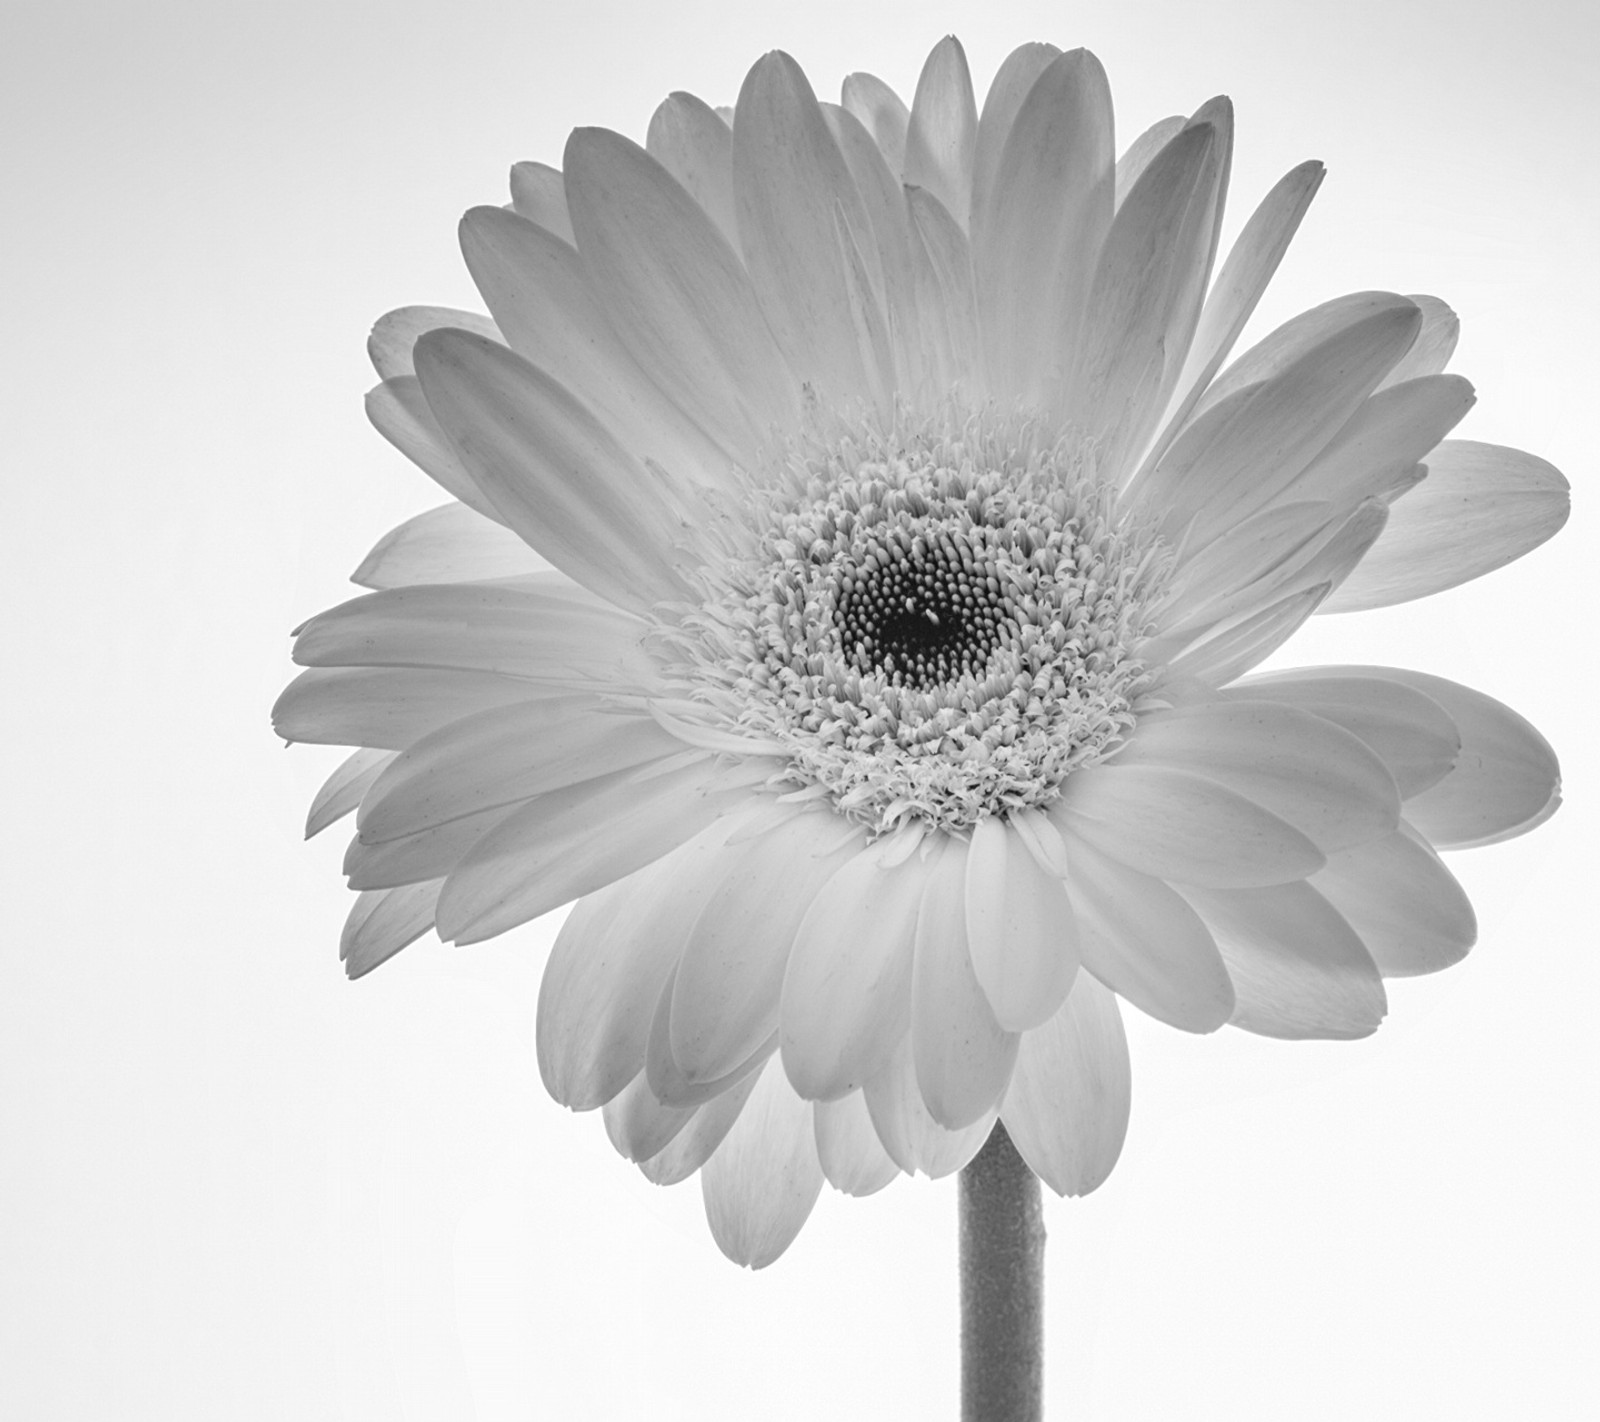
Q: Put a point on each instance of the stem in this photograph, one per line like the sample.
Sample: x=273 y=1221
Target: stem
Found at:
x=1002 y=1286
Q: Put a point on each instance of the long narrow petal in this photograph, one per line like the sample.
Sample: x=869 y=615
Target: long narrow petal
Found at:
x=1408 y=731
x=882 y=112
x=539 y=193
x=762 y=1181
x=667 y=1082
x=847 y=991
x=1298 y=968
x=555 y=473
x=341 y=792
x=1435 y=344
x=943 y=135
x=1067 y=1109
x=449 y=544
x=1309 y=772
x=638 y=1125
x=1243 y=645
x=853 y=1158
x=906 y=1129
x=1505 y=781
x=941 y=266
x=707 y=1128
x=1407 y=907
x=688 y=139
x=390 y=708
x=729 y=982
x=383 y=921
x=543 y=631
x=1141 y=939
x=571 y=842
x=1036 y=240
x=793 y=194
x=1020 y=929
x=503 y=756
x=1136 y=157
x=429 y=854
x=1018 y=73
x=1182 y=827
x=395 y=333
x=963 y=1056
x=538 y=289
x=399 y=412
x=1481 y=506
x=676 y=291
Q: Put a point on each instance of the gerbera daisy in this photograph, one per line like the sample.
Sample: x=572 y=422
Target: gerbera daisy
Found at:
x=859 y=552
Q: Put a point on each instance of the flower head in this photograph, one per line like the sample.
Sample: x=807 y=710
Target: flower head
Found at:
x=859 y=553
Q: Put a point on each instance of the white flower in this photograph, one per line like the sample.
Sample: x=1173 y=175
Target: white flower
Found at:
x=856 y=566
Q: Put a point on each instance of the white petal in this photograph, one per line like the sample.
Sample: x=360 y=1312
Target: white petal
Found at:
x=1136 y=157
x=946 y=307
x=546 y=631
x=676 y=292
x=688 y=139
x=1298 y=968
x=1018 y=73
x=571 y=842
x=1067 y=1109
x=910 y=1135
x=428 y=854
x=395 y=333
x=795 y=201
x=853 y=1158
x=555 y=473
x=668 y=1084
x=1481 y=506
x=449 y=544
x=944 y=130
x=503 y=756
x=383 y=921
x=1506 y=779
x=1141 y=939
x=1408 y=908
x=391 y=707
x=341 y=792
x=1408 y=731
x=638 y=1125
x=1021 y=932
x=963 y=1056
x=847 y=991
x=706 y=1129
x=882 y=112
x=1435 y=344
x=399 y=412
x=726 y=994
x=1247 y=644
x=1036 y=239
x=762 y=1181
x=1309 y=772
x=1182 y=827
x=539 y=193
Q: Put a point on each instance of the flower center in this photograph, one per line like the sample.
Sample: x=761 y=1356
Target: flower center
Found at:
x=938 y=620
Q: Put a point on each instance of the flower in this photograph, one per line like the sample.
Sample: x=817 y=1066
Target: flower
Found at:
x=850 y=593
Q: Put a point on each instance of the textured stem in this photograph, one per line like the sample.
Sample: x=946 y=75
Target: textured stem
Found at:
x=1002 y=1287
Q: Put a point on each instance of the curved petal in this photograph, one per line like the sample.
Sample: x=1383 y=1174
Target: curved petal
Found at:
x=688 y=139
x=1177 y=826
x=1036 y=238
x=1298 y=968
x=573 y=841
x=449 y=544
x=395 y=333
x=383 y=921
x=1435 y=344
x=762 y=1181
x=1306 y=770
x=555 y=473
x=797 y=205
x=1408 y=731
x=883 y=114
x=853 y=1158
x=676 y=292
x=963 y=1057
x=1141 y=939
x=1407 y=907
x=726 y=994
x=399 y=412
x=1018 y=73
x=1136 y=157
x=706 y=1129
x=341 y=792
x=1067 y=1109
x=941 y=266
x=1481 y=506
x=910 y=1135
x=943 y=133
x=1020 y=929
x=1505 y=781
x=641 y=1127
x=539 y=193
x=428 y=854
x=847 y=990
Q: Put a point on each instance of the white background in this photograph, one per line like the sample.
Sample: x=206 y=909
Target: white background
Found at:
x=236 y=1186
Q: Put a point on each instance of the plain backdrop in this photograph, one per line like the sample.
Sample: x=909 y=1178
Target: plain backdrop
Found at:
x=236 y=1186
